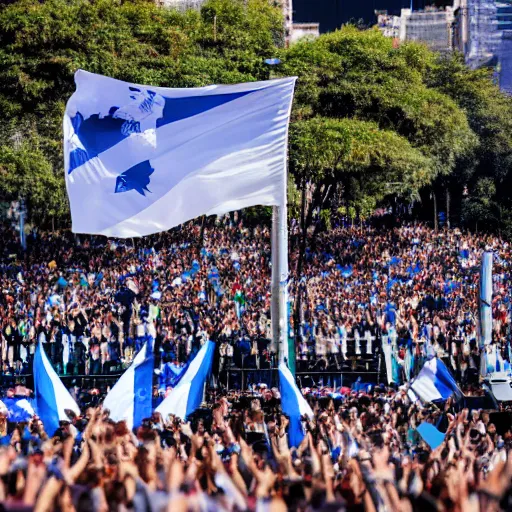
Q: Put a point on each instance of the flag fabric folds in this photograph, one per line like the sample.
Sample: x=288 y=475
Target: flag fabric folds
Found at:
x=431 y=435
x=186 y=397
x=293 y=404
x=18 y=409
x=142 y=159
x=130 y=399
x=434 y=382
x=51 y=396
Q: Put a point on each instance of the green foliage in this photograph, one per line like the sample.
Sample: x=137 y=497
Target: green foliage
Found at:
x=487 y=170
x=365 y=162
x=26 y=173
x=370 y=120
x=354 y=74
x=42 y=44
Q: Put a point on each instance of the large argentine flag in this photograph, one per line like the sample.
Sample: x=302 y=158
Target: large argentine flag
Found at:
x=293 y=404
x=143 y=159
x=434 y=382
x=186 y=397
x=130 y=398
x=51 y=396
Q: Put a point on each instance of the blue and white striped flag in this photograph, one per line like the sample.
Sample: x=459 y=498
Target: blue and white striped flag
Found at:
x=293 y=404
x=143 y=159
x=186 y=397
x=434 y=382
x=18 y=409
x=52 y=399
x=130 y=399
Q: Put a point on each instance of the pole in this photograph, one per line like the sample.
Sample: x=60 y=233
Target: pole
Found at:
x=23 y=240
x=435 y=210
x=447 y=206
x=279 y=307
x=485 y=300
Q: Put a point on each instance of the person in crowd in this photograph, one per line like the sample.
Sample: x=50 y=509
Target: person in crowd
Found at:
x=360 y=451
x=91 y=302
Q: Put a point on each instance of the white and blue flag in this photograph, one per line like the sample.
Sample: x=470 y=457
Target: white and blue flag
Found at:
x=141 y=159
x=52 y=399
x=293 y=404
x=18 y=409
x=435 y=382
x=187 y=396
x=130 y=399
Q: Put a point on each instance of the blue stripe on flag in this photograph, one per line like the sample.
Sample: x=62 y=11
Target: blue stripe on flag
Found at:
x=99 y=133
x=143 y=387
x=46 y=402
x=293 y=405
x=444 y=381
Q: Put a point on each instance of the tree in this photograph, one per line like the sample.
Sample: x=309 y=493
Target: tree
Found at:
x=487 y=170
x=27 y=174
x=356 y=157
x=42 y=44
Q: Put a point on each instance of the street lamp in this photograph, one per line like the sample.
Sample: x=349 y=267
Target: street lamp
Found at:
x=272 y=62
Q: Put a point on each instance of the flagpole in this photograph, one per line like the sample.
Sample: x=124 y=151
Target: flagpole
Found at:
x=485 y=309
x=279 y=305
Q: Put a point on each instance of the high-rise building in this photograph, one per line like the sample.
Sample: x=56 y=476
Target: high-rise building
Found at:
x=483 y=37
x=432 y=26
x=483 y=32
x=504 y=15
x=287 y=7
x=182 y=4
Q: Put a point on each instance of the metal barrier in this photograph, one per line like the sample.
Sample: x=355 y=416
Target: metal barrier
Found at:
x=83 y=381
x=232 y=378
x=242 y=378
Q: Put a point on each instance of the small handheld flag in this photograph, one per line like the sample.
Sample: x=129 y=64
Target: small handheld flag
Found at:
x=293 y=404
x=431 y=435
x=186 y=397
x=434 y=382
x=51 y=396
x=18 y=409
x=130 y=398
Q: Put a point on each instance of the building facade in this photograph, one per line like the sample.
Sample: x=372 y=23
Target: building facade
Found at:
x=432 y=26
x=182 y=4
x=389 y=24
x=301 y=30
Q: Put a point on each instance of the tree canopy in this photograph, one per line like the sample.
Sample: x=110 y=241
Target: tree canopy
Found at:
x=371 y=119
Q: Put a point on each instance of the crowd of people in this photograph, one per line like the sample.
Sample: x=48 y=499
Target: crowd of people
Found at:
x=93 y=302
x=361 y=451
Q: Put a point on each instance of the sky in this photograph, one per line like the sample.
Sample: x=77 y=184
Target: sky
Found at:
x=331 y=14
